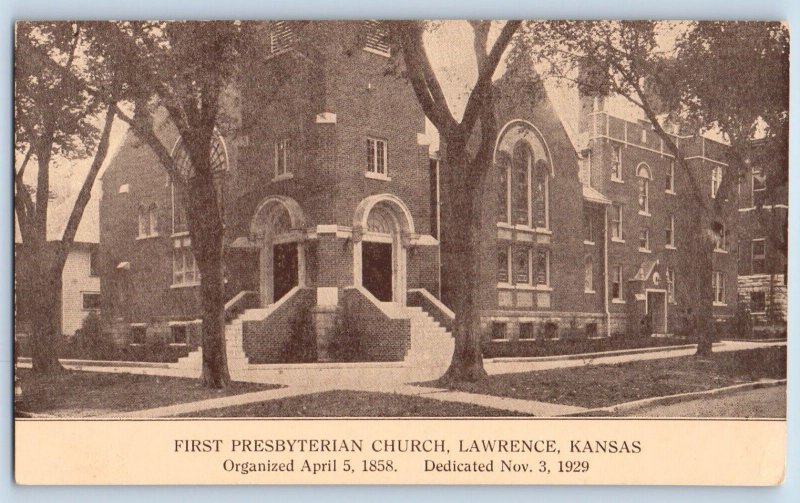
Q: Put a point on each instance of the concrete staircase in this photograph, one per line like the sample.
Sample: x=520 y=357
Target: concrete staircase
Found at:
x=237 y=360
x=431 y=344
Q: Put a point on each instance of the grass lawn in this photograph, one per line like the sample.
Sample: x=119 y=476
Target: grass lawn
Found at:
x=603 y=385
x=83 y=394
x=354 y=404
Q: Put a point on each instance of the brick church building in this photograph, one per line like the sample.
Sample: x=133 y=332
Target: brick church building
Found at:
x=330 y=200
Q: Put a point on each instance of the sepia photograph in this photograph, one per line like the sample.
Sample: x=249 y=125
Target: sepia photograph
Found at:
x=401 y=218
x=494 y=220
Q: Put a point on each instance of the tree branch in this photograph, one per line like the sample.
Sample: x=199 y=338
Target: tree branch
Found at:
x=86 y=189
x=472 y=110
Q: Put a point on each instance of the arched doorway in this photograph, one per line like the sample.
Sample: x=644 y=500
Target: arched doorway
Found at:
x=379 y=256
x=277 y=227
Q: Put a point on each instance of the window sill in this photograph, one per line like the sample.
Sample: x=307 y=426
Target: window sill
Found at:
x=523 y=287
x=645 y=213
x=617 y=180
x=184 y=285
x=670 y=192
x=177 y=344
x=670 y=247
x=376 y=51
x=141 y=237
x=720 y=304
x=645 y=250
x=501 y=340
x=720 y=250
x=179 y=234
x=282 y=177
x=617 y=240
x=136 y=344
x=617 y=301
x=377 y=176
x=587 y=242
x=589 y=291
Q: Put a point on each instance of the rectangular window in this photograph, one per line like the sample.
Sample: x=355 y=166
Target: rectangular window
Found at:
x=91 y=301
x=670 y=180
x=716 y=180
x=184 y=267
x=758 y=302
x=282 y=157
x=281 y=37
x=522 y=266
x=376 y=156
x=526 y=331
x=377 y=39
x=502 y=266
x=588 y=226
x=178 y=334
x=758 y=249
x=670 y=232
x=616 y=282
x=644 y=239
x=670 y=285
x=616 y=162
x=759 y=181
x=616 y=221
x=498 y=331
x=94 y=262
x=138 y=334
x=542 y=267
x=588 y=275
x=718 y=285
x=721 y=240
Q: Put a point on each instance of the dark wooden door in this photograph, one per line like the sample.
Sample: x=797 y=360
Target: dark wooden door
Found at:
x=284 y=269
x=377 y=269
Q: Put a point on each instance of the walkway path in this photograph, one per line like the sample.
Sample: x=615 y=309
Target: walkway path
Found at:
x=390 y=378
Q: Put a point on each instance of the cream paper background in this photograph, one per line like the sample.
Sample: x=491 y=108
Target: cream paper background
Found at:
x=686 y=452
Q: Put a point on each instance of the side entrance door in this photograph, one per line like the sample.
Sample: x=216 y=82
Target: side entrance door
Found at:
x=377 y=269
x=284 y=269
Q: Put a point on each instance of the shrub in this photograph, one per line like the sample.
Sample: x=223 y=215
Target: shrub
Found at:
x=347 y=343
x=740 y=326
x=92 y=342
x=591 y=329
x=301 y=347
x=550 y=329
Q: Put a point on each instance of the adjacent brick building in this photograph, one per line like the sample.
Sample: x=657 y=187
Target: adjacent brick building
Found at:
x=763 y=236
x=330 y=201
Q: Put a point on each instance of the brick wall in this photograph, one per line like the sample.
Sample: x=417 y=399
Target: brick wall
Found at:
x=382 y=338
x=265 y=341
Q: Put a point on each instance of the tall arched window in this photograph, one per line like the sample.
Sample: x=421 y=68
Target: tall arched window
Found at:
x=643 y=175
x=523 y=165
x=144 y=221
x=152 y=217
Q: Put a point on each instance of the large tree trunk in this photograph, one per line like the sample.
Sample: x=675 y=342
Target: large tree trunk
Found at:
x=215 y=361
x=42 y=299
x=205 y=225
x=699 y=297
x=460 y=249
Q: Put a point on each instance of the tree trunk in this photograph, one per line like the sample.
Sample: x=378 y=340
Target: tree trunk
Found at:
x=42 y=287
x=699 y=278
x=206 y=229
x=215 y=361
x=460 y=248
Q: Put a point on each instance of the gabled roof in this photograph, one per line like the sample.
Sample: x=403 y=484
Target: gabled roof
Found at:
x=593 y=195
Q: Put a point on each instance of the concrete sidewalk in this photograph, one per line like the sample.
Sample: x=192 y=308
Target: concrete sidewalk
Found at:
x=305 y=379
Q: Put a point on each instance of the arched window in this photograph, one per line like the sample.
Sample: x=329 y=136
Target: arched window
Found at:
x=219 y=166
x=520 y=183
x=588 y=274
x=643 y=175
x=152 y=217
x=144 y=222
x=523 y=165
